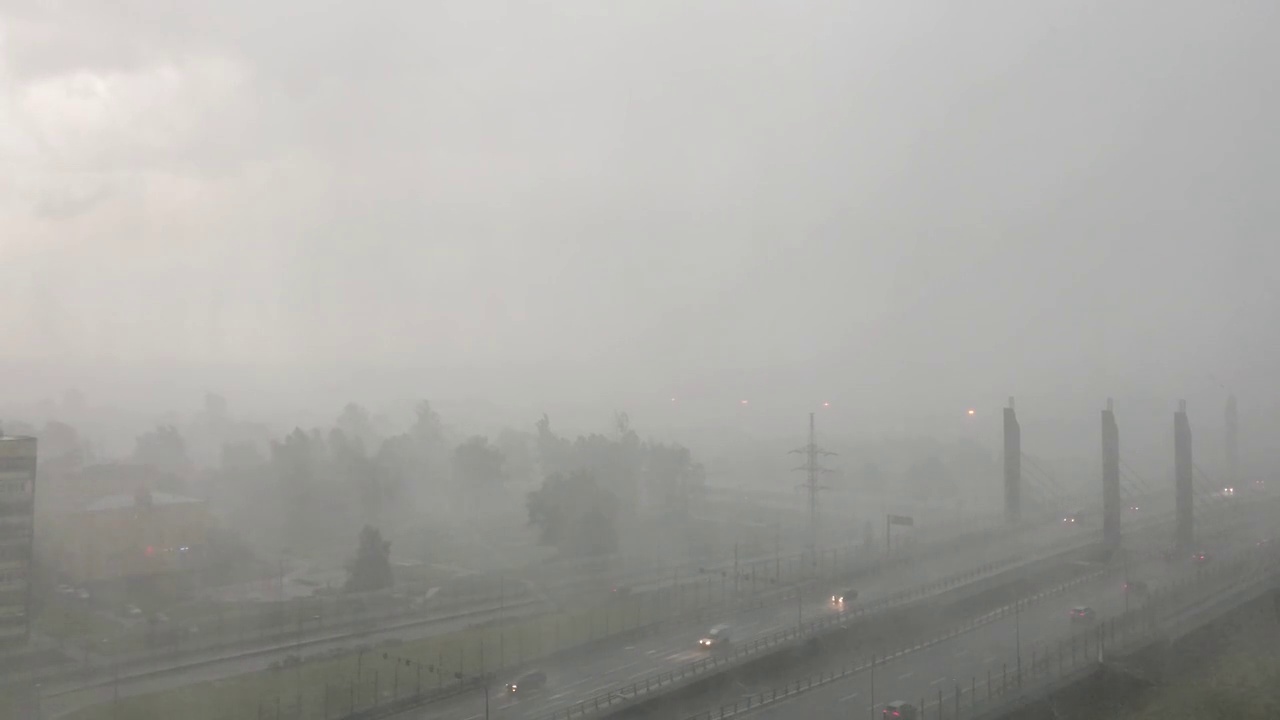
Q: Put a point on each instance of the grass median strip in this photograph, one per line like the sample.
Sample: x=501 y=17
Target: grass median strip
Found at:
x=337 y=684
x=355 y=679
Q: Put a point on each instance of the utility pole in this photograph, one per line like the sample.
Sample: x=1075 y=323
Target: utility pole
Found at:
x=484 y=681
x=777 y=549
x=812 y=470
x=873 y=686
x=799 y=611
x=735 y=570
x=1017 y=635
x=1232 y=444
x=502 y=610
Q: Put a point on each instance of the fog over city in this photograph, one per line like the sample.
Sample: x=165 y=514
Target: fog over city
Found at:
x=517 y=283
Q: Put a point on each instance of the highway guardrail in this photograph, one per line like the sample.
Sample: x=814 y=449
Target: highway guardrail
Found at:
x=1074 y=657
x=740 y=653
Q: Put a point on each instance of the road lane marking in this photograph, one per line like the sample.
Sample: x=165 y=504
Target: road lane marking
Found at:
x=939 y=680
x=620 y=668
x=904 y=676
x=993 y=658
x=848 y=697
x=962 y=651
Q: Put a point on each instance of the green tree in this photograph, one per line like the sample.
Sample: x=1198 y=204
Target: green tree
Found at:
x=516 y=448
x=401 y=462
x=164 y=448
x=427 y=427
x=672 y=478
x=478 y=464
x=575 y=514
x=240 y=456
x=370 y=569
x=296 y=460
x=353 y=469
x=61 y=447
x=356 y=424
x=555 y=454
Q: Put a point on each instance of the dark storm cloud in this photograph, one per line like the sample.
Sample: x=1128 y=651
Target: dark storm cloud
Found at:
x=812 y=198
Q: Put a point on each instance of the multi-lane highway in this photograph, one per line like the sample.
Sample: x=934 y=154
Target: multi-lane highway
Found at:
x=162 y=673
x=585 y=675
x=997 y=648
x=581 y=677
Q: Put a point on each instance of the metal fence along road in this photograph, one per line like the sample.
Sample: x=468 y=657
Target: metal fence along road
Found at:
x=294 y=624
x=718 y=662
x=666 y=680
x=1079 y=653
x=803 y=685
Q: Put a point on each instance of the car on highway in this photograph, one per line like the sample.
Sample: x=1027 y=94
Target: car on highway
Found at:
x=716 y=636
x=840 y=599
x=1073 y=518
x=527 y=683
x=900 y=709
x=621 y=590
x=1201 y=557
x=1082 y=614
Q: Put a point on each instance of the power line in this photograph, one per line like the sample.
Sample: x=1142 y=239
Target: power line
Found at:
x=812 y=470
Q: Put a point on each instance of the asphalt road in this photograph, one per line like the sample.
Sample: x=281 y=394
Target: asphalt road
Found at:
x=63 y=696
x=966 y=660
x=589 y=674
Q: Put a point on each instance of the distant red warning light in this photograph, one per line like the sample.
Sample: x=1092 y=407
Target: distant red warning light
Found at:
x=744 y=402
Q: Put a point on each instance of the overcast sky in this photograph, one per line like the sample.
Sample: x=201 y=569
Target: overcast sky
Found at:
x=940 y=201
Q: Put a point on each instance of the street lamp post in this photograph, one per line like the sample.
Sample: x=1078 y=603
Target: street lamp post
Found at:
x=1126 y=580
x=873 y=686
x=799 y=611
x=502 y=607
x=1017 y=636
x=484 y=681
